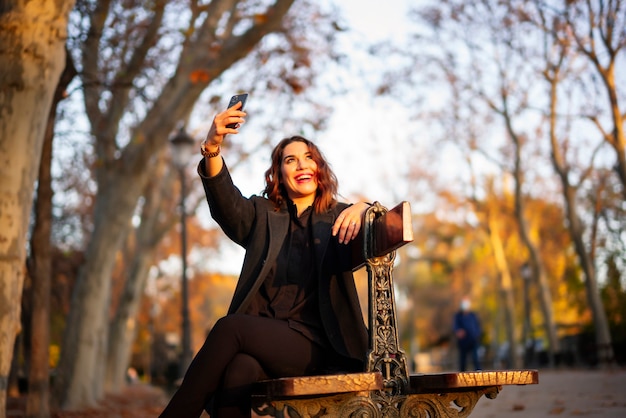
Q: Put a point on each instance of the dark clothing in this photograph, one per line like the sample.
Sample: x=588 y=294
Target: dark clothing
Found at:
x=295 y=310
x=256 y=225
x=240 y=350
x=469 y=343
x=290 y=291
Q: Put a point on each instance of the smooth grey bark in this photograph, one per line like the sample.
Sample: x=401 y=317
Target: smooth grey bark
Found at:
x=140 y=257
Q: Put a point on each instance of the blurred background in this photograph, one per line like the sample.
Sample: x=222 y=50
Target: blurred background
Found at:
x=501 y=122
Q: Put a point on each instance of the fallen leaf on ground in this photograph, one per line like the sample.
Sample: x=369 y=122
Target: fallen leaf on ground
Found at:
x=557 y=410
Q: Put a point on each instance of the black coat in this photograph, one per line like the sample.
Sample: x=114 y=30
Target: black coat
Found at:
x=254 y=224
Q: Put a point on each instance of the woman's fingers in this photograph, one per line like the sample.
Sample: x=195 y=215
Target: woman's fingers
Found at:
x=346 y=228
x=229 y=121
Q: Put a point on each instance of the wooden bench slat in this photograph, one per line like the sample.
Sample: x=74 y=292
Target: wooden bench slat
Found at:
x=428 y=383
x=318 y=385
x=391 y=230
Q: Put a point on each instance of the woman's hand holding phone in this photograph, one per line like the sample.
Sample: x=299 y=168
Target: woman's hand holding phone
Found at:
x=233 y=101
x=226 y=122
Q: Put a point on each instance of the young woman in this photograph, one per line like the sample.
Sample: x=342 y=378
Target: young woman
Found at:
x=295 y=309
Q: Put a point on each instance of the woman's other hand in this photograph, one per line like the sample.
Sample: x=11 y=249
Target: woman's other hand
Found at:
x=349 y=221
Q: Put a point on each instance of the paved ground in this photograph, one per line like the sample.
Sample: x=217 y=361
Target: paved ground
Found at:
x=136 y=401
x=581 y=393
x=570 y=393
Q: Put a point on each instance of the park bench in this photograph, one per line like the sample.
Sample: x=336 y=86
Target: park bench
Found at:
x=385 y=388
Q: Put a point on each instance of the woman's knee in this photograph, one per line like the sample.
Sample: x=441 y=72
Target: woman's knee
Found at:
x=242 y=370
x=227 y=326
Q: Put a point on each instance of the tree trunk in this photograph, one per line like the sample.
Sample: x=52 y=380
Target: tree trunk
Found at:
x=505 y=288
x=40 y=270
x=31 y=59
x=40 y=266
x=604 y=349
x=121 y=178
x=123 y=328
x=148 y=234
x=83 y=358
x=538 y=272
x=617 y=137
x=539 y=278
x=602 y=43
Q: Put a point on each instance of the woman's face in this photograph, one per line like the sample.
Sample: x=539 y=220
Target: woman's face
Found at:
x=299 y=174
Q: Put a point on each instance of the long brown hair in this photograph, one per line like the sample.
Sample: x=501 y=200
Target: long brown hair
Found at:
x=326 y=194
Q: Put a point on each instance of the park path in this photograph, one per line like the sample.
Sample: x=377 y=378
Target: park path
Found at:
x=559 y=394
x=136 y=401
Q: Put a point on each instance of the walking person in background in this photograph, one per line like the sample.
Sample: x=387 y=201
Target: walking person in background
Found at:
x=295 y=310
x=467 y=331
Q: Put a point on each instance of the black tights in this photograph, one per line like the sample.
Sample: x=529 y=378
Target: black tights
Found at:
x=240 y=350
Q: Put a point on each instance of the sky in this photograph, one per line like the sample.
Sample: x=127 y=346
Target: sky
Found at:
x=365 y=134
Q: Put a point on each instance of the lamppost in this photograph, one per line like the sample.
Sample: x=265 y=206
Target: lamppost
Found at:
x=526 y=273
x=182 y=147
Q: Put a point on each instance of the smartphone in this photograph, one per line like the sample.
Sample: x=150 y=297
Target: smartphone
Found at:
x=233 y=101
